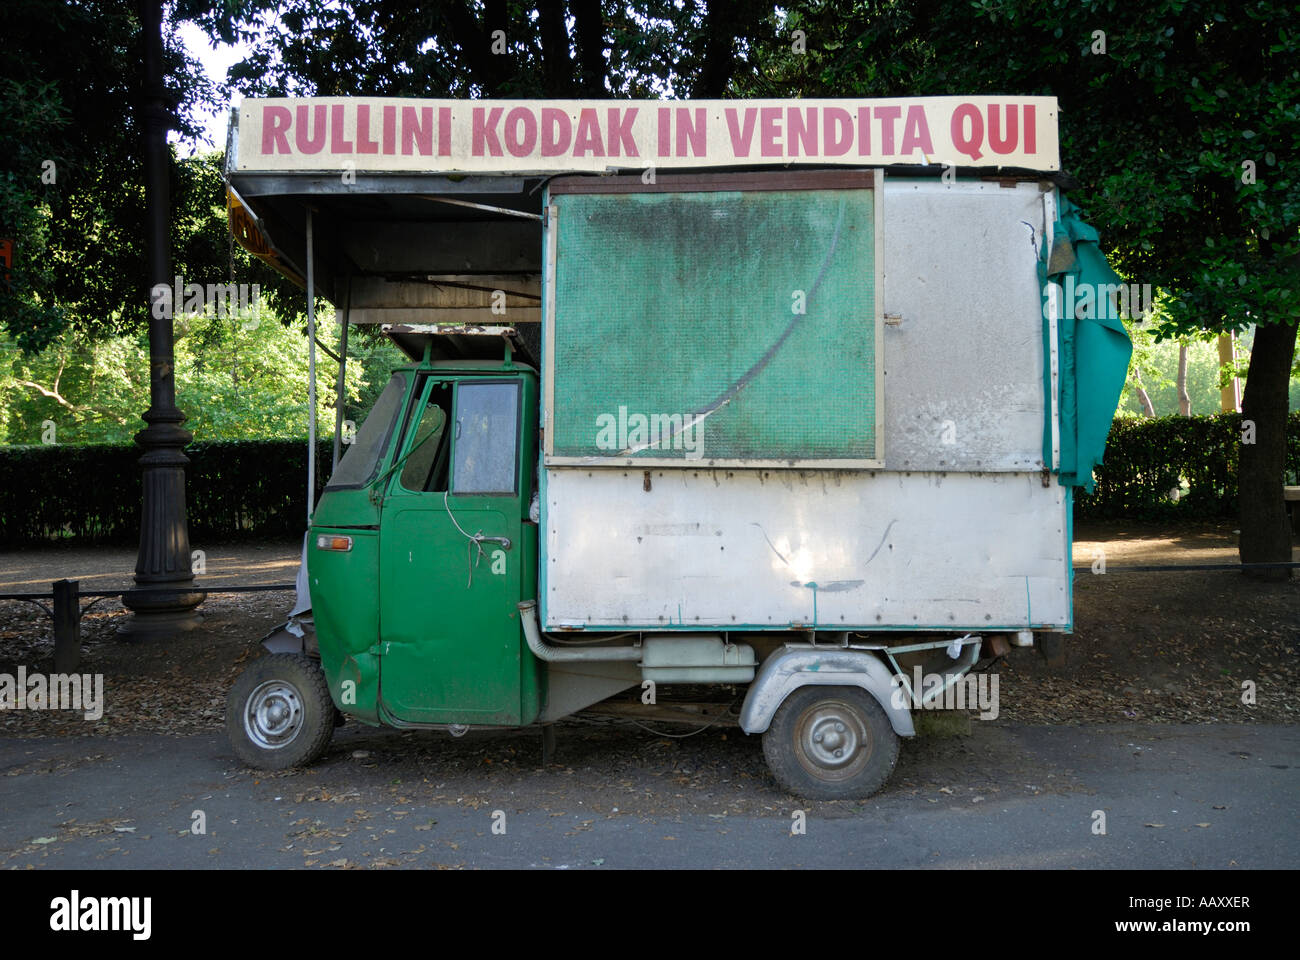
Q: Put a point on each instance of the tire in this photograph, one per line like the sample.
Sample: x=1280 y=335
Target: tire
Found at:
x=279 y=713
x=848 y=719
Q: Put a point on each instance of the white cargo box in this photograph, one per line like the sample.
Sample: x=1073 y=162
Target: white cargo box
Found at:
x=954 y=521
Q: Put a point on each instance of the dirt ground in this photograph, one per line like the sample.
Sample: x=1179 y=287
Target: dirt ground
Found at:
x=1147 y=647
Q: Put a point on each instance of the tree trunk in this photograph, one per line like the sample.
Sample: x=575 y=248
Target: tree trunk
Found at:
x=1265 y=535
x=1148 y=409
x=589 y=37
x=1184 y=401
x=557 y=62
x=1230 y=392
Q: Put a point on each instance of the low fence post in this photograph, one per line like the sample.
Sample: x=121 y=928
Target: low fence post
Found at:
x=67 y=625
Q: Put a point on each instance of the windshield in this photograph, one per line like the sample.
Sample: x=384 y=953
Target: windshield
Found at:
x=361 y=457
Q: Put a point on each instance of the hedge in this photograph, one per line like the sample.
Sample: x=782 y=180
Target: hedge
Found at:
x=236 y=489
x=254 y=488
x=1147 y=460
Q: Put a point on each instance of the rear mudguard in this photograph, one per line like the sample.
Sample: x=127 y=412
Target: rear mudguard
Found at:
x=798 y=665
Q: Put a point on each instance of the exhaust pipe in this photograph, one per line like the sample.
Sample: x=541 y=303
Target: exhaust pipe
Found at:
x=553 y=654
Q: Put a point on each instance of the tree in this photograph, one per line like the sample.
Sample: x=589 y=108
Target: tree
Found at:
x=72 y=189
x=1177 y=117
x=1184 y=400
x=241 y=377
x=578 y=48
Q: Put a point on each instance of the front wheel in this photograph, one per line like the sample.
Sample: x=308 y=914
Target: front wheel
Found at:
x=831 y=743
x=279 y=713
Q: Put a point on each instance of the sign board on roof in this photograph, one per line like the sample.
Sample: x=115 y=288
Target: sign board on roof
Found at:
x=392 y=135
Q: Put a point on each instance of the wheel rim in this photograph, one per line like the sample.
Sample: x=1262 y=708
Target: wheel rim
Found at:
x=273 y=714
x=832 y=740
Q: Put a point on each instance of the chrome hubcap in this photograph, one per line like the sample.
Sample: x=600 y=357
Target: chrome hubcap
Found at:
x=273 y=714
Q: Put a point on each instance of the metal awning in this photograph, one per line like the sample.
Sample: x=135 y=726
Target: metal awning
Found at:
x=392 y=236
x=458 y=341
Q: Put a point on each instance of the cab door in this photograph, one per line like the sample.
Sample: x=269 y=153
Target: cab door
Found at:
x=451 y=558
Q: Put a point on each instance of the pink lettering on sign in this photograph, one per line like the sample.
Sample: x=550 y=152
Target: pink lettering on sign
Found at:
x=916 y=132
x=741 y=136
x=390 y=130
x=620 y=132
x=837 y=131
x=769 y=132
x=556 y=132
x=275 y=129
x=417 y=130
x=484 y=134
x=968 y=143
x=337 y=142
x=444 y=131
x=364 y=143
x=521 y=131
x=997 y=141
x=773 y=131
x=692 y=135
x=301 y=139
x=587 y=140
x=802 y=131
x=887 y=116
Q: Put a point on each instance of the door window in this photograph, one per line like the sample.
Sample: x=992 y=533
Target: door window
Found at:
x=487 y=438
x=425 y=467
x=361 y=458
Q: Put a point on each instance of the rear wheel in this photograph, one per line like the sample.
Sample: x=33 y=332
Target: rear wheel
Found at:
x=279 y=713
x=831 y=743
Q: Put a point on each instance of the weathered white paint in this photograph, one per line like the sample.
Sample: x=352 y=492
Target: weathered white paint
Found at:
x=728 y=548
x=966 y=363
x=957 y=531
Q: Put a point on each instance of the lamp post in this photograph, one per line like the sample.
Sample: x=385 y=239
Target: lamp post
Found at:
x=163 y=563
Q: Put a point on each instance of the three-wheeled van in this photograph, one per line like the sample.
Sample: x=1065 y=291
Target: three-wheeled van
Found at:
x=787 y=449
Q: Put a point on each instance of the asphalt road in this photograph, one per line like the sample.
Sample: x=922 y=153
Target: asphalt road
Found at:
x=1214 y=796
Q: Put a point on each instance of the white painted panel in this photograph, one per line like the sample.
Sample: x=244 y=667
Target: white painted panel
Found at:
x=963 y=386
x=731 y=548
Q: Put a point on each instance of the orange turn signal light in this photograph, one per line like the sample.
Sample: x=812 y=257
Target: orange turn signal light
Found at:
x=330 y=542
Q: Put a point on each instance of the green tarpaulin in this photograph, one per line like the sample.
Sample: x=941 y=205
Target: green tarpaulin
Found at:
x=1094 y=348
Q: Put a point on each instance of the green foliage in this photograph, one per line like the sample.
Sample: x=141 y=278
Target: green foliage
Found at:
x=236 y=378
x=91 y=494
x=1173 y=468
x=1156 y=129
x=587 y=48
x=1156 y=364
x=71 y=179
